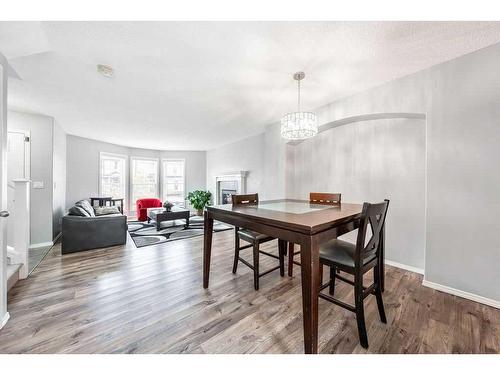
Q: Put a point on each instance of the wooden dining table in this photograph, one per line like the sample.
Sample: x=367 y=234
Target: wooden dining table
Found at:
x=298 y=222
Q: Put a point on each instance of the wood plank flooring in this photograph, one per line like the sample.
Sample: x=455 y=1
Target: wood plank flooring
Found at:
x=151 y=300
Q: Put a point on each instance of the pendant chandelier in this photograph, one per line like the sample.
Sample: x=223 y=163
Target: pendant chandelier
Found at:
x=299 y=125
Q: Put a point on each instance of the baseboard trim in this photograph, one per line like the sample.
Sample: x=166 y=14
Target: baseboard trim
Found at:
x=57 y=238
x=404 y=267
x=4 y=320
x=41 y=244
x=461 y=293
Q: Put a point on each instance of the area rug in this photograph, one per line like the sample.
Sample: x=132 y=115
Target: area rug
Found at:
x=145 y=234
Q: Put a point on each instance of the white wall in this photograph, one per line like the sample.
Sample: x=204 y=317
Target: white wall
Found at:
x=41 y=143
x=82 y=168
x=461 y=101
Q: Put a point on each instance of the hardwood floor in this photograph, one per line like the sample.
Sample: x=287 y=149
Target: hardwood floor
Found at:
x=151 y=300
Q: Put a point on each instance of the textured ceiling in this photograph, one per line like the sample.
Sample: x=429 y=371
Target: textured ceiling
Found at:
x=198 y=85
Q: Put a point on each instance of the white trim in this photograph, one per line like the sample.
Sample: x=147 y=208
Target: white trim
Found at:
x=41 y=244
x=240 y=177
x=4 y=320
x=461 y=293
x=27 y=151
x=404 y=267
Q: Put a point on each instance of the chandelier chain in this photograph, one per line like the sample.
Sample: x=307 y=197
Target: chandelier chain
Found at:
x=298 y=95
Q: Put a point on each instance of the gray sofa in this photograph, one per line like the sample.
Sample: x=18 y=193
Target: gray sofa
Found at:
x=83 y=230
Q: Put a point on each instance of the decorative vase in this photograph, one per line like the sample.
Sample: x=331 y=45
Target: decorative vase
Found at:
x=200 y=212
x=168 y=208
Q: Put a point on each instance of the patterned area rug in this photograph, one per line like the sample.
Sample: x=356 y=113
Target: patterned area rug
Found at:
x=145 y=234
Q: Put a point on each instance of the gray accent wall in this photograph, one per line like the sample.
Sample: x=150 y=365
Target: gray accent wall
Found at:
x=59 y=178
x=460 y=100
x=3 y=189
x=263 y=156
x=230 y=158
x=371 y=161
x=82 y=168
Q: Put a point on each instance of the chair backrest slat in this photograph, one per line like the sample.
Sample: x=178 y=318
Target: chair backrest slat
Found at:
x=245 y=198
x=373 y=214
x=325 y=198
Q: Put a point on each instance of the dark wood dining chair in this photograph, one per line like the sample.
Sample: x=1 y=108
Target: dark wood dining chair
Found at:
x=357 y=259
x=331 y=199
x=255 y=239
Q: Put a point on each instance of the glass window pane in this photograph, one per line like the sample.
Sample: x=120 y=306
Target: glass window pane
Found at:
x=173 y=181
x=144 y=179
x=112 y=176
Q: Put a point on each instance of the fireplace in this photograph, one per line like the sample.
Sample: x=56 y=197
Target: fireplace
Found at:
x=226 y=189
x=228 y=184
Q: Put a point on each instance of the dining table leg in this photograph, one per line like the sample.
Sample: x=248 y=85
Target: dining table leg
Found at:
x=309 y=259
x=208 y=226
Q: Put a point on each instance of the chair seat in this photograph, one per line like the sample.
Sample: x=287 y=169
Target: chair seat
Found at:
x=251 y=236
x=340 y=252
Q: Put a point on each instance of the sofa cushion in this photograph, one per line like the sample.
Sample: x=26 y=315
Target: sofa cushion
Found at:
x=78 y=211
x=108 y=210
x=85 y=204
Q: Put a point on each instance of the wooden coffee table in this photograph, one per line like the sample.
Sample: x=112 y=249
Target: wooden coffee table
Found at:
x=160 y=215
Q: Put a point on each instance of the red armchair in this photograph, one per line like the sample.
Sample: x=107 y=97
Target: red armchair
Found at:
x=143 y=204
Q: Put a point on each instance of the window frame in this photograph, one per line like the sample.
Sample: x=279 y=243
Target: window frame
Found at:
x=131 y=174
x=164 y=176
x=125 y=176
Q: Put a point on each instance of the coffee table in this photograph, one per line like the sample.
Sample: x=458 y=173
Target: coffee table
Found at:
x=160 y=215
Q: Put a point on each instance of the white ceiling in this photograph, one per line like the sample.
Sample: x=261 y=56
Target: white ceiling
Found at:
x=198 y=85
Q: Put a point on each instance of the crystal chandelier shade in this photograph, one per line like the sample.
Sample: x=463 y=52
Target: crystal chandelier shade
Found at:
x=299 y=125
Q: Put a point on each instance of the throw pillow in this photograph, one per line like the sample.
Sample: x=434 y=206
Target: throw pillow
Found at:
x=108 y=210
x=78 y=211
x=85 y=204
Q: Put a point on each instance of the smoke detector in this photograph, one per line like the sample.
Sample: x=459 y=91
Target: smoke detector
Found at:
x=105 y=70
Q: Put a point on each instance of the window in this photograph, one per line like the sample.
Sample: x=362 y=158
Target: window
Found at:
x=143 y=178
x=112 y=175
x=173 y=181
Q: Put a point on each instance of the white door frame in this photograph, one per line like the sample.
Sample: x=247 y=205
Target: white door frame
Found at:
x=4 y=315
x=27 y=151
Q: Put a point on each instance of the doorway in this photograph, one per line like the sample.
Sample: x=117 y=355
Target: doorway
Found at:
x=19 y=168
x=18 y=155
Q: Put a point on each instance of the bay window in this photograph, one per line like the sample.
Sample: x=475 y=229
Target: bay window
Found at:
x=143 y=178
x=112 y=175
x=174 y=181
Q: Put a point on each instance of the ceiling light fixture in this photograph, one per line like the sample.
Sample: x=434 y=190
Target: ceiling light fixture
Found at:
x=299 y=125
x=105 y=70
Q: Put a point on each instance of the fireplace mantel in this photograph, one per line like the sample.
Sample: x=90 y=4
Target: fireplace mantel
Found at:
x=239 y=178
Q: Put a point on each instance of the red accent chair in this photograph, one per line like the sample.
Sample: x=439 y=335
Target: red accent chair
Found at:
x=143 y=204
